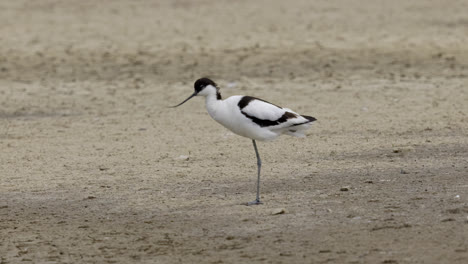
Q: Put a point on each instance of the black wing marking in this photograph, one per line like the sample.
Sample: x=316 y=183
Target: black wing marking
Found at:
x=247 y=99
x=277 y=114
x=309 y=120
x=267 y=123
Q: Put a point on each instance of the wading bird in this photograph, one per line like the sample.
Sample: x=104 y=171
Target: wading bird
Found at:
x=250 y=117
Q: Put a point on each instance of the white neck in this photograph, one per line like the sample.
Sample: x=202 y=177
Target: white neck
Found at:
x=211 y=100
x=213 y=104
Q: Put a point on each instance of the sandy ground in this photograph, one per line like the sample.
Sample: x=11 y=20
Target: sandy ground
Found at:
x=96 y=169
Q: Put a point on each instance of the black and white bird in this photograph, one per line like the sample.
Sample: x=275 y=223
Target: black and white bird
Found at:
x=250 y=117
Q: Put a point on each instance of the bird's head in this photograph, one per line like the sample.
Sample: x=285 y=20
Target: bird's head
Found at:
x=203 y=87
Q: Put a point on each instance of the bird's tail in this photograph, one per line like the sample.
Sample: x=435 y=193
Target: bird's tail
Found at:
x=299 y=130
x=311 y=119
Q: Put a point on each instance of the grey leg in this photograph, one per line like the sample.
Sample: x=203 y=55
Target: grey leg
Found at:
x=259 y=166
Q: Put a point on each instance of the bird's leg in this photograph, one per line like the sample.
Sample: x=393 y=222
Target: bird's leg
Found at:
x=259 y=166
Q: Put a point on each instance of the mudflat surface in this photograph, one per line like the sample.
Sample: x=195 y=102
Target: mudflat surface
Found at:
x=96 y=169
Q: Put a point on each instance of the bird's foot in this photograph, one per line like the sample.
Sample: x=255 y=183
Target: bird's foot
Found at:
x=256 y=202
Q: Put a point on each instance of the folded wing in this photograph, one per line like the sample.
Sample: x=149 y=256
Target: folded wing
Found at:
x=266 y=114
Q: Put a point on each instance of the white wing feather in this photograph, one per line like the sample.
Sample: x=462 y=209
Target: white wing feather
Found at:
x=263 y=110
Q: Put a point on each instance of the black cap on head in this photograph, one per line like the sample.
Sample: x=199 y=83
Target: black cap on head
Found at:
x=199 y=85
x=202 y=83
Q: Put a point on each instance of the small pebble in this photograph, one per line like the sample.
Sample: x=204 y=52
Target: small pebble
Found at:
x=278 y=211
x=344 y=189
x=231 y=84
x=183 y=157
